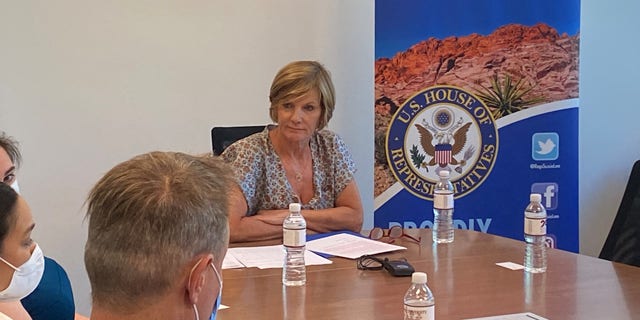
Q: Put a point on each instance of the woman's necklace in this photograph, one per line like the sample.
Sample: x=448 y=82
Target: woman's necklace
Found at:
x=298 y=169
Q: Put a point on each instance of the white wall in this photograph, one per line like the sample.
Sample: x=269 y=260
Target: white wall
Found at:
x=87 y=84
x=609 y=113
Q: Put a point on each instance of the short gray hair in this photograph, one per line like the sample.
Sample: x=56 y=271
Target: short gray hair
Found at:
x=148 y=217
x=11 y=146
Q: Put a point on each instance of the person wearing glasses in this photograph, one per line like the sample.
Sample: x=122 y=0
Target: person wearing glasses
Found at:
x=295 y=160
x=158 y=233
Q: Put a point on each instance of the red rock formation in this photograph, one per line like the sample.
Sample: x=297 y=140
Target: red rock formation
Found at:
x=538 y=54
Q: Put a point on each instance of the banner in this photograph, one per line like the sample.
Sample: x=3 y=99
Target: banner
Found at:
x=487 y=90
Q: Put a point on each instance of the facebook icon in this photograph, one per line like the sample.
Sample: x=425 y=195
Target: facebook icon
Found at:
x=549 y=192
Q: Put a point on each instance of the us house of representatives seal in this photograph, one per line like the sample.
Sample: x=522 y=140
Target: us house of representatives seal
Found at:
x=442 y=128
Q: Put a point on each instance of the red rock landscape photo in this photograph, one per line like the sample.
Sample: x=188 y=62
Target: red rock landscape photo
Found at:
x=537 y=62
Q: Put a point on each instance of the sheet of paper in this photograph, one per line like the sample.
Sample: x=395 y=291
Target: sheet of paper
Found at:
x=350 y=246
x=514 y=316
x=230 y=262
x=510 y=265
x=266 y=257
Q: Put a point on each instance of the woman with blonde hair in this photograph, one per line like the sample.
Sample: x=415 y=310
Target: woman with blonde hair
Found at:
x=295 y=160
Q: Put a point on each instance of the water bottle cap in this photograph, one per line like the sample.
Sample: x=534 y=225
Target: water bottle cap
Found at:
x=294 y=207
x=443 y=174
x=535 y=197
x=419 y=277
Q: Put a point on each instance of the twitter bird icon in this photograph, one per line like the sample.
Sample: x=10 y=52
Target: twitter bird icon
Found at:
x=545 y=146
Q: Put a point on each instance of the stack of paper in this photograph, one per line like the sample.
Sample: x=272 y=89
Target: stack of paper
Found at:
x=265 y=257
x=350 y=246
x=341 y=245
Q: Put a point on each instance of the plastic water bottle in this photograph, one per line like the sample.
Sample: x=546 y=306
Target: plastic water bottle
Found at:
x=535 y=231
x=294 y=234
x=418 y=301
x=443 y=209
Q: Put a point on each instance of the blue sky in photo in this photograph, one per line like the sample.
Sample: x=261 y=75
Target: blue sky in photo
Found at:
x=399 y=24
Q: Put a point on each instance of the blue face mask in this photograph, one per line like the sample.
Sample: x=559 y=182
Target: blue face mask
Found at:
x=215 y=308
x=218 y=299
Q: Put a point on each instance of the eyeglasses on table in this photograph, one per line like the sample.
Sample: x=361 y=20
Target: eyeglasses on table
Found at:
x=395 y=232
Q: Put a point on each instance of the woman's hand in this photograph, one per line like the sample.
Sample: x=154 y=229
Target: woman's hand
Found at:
x=267 y=224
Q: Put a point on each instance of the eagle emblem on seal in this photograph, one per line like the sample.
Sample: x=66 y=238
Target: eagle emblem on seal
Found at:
x=443 y=141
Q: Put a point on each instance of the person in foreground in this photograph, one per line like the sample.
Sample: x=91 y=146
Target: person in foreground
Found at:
x=21 y=260
x=295 y=160
x=52 y=299
x=158 y=233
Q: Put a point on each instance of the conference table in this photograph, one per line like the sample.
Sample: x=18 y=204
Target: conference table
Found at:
x=463 y=276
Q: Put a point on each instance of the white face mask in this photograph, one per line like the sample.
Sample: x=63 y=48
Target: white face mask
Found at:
x=25 y=278
x=15 y=186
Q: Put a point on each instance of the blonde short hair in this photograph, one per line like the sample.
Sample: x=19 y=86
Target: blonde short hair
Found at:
x=296 y=79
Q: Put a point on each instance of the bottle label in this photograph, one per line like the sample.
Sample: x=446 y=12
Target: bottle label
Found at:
x=535 y=226
x=443 y=201
x=294 y=237
x=419 y=313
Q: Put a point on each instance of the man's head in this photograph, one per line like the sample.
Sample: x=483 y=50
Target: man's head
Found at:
x=156 y=224
x=10 y=159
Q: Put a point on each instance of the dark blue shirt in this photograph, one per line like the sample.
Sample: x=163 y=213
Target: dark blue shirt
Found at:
x=52 y=299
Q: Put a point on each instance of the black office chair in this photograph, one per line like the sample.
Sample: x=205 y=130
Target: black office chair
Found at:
x=222 y=137
x=623 y=242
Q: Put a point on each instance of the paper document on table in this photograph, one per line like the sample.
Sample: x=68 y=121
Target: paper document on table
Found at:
x=266 y=257
x=350 y=246
x=515 y=316
x=510 y=265
x=230 y=262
